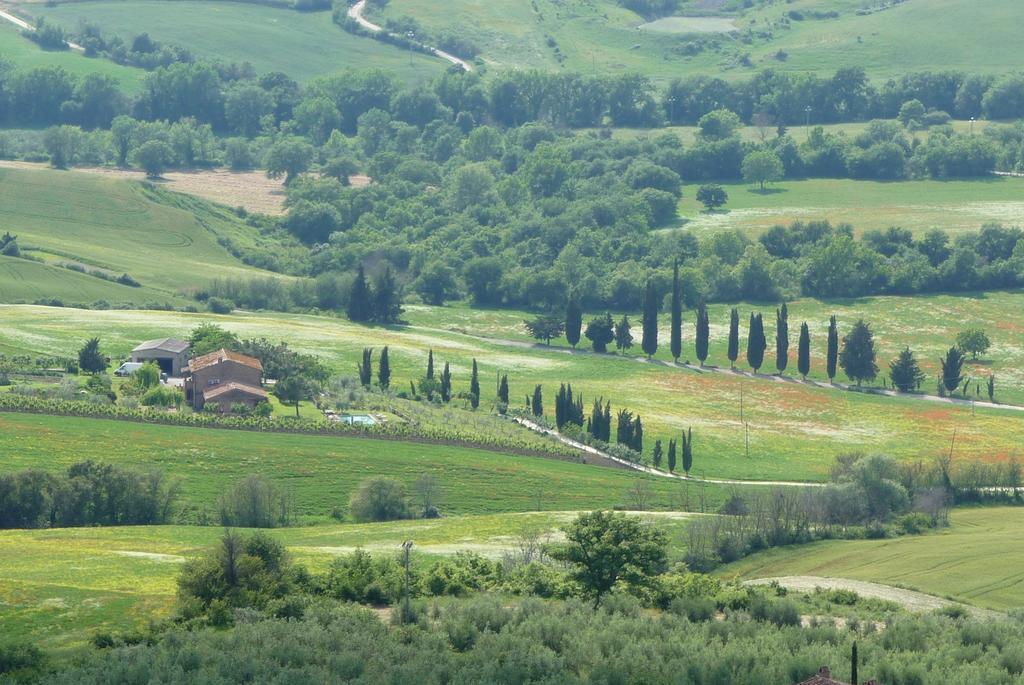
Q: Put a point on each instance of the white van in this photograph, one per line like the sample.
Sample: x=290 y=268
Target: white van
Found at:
x=128 y=368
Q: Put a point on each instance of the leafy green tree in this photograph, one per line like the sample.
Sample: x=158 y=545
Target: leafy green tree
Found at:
x=288 y=157
x=832 y=350
x=436 y=283
x=545 y=327
x=446 y=383
x=90 y=358
x=676 y=333
x=623 y=334
x=537 y=405
x=604 y=548
x=803 y=357
x=384 y=369
x=312 y=222
x=756 y=342
x=292 y=390
x=762 y=166
x=734 y=337
x=154 y=157
x=857 y=358
x=209 y=337
x=911 y=114
x=365 y=367
x=782 y=338
x=474 y=387
x=650 y=322
x=687 y=445
x=904 y=371
x=62 y=143
x=123 y=130
x=712 y=196
x=379 y=499
x=573 y=321
x=360 y=300
x=601 y=332
x=973 y=340
x=483 y=277
x=703 y=334
x=245 y=105
x=147 y=376
x=718 y=124
x=952 y=369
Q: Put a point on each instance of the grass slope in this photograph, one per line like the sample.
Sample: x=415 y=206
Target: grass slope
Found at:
x=303 y=45
x=955 y=206
x=22 y=280
x=975 y=561
x=25 y=54
x=795 y=430
x=601 y=36
x=168 y=242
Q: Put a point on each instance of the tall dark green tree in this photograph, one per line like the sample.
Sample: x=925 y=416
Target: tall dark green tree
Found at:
x=503 y=389
x=650 y=326
x=474 y=388
x=991 y=387
x=832 y=352
x=756 y=342
x=430 y=365
x=638 y=436
x=90 y=358
x=624 y=428
x=671 y=456
x=573 y=321
x=952 y=368
x=537 y=404
x=676 y=335
x=623 y=334
x=597 y=420
x=384 y=369
x=606 y=425
x=366 y=367
x=387 y=301
x=688 y=450
x=734 y=337
x=657 y=454
x=905 y=372
x=857 y=358
x=782 y=338
x=803 y=353
x=446 y=383
x=703 y=333
x=360 y=299
x=600 y=332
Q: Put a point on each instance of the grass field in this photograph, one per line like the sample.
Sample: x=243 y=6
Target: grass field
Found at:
x=977 y=560
x=795 y=430
x=167 y=242
x=954 y=206
x=303 y=45
x=22 y=280
x=59 y=587
x=25 y=54
x=600 y=36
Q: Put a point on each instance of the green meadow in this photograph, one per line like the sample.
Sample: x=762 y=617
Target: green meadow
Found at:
x=793 y=430
x=166 y=241
x=976 y=560
x=304 y=45
x=956 y=206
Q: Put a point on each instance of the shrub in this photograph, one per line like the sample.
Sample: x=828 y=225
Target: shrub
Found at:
x=914 y=524
x=220 y=305
x=695 y=609
x=379 y=499
x=161 y=396
x=359 y=577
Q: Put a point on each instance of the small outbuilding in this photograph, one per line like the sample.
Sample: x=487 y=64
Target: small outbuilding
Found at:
x=170 y=354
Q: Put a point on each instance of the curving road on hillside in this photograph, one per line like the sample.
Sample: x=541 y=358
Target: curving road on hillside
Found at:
x=22 y=24
x=356 y=12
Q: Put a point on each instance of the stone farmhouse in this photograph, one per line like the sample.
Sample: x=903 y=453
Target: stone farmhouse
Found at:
x=224 y=378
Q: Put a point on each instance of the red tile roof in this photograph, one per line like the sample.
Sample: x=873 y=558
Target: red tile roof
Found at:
x=824 y=677
x=221 y=356
x=224 y=388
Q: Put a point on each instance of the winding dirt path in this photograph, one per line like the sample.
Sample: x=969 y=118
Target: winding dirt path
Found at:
x=908 y=599
x=356 y=12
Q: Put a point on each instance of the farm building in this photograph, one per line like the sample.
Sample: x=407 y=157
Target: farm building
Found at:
x=225 y=378
x=170 y=354
x=824 y=677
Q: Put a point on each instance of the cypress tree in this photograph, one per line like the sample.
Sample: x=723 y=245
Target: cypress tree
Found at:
x=606 y=424
x=503 y=390
x=992 y=388
x=560 y=407
x=387 y=305
x=671 y=456
x=832 y=353
x=952 y=369
x=360 y=302
x=430 y=365
x=537 y=406
x=688 y=450
x=858 y=355
x=650 y=341
x=365 y=367
x=384 y=369
x=623 y=334
x=638 y=436
x=596 y=419
x=734 y=337
x=677 y=315
x=656 y=454
x=803 y=356
x=756 y=342
x=782 y=338
x=905 y=372
x=474 y=388
x=573 y=321
x=90 y=358
x=703 y=333
x=446 y=384
x=624 y=428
